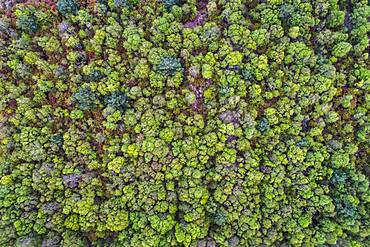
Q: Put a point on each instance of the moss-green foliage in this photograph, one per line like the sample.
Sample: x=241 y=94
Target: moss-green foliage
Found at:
x=184 y=123
x=341 y=49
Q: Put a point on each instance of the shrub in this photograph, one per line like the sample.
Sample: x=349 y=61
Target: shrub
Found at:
x=27 y=24
x=341 y=49
x=168 y=66
x=85 y=98
x=66 y=7
x=117 y=100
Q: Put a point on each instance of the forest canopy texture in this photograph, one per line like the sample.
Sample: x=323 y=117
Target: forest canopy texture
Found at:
x=196 y=123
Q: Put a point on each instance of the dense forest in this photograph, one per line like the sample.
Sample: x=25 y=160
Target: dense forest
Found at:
x=196 y=123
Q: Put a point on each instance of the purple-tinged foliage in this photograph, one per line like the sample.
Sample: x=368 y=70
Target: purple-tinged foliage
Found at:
x=231 y=116
x=51 y=207
x=184 y=123
x=52 y=241
x=63 y=27
x=71 y=180
x=198 y=91
x=198 y=20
